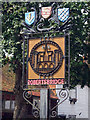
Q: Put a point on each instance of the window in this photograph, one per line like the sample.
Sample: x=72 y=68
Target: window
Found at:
x=7 y=104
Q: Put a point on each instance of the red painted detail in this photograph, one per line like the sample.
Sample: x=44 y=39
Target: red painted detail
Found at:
x=46 y=82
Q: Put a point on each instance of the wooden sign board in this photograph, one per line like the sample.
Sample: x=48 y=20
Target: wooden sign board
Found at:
x=46 y=64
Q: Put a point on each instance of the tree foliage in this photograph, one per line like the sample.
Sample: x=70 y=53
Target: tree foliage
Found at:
x=12 y=16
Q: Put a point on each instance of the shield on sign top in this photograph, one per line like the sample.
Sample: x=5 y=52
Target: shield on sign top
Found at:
x=30 y=17
x=63 y=14
x=46 y=12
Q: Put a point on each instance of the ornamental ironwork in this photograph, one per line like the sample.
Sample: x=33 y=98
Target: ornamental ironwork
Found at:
x=46 y=61
x=48 y=18
x=62 y=95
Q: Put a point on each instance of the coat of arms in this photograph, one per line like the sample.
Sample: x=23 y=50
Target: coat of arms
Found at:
x=30 y=17
x=63 y=14
x=46 y=12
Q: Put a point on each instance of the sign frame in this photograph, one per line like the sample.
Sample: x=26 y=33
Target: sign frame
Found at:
x=52 y=81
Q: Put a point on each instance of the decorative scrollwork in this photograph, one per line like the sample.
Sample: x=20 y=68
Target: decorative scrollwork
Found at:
x=53 y=113
x=36 y=114
x=62 y=93
x=40 y=27
x=28 y=94
x=62 y=96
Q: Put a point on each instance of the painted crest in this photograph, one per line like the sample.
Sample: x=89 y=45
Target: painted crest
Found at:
x=46 y=12
x=30 y=17
x=63 y=14
x=46 y=61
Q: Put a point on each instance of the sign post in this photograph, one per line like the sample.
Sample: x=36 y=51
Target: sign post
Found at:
x=44 y=104
x=46 y=56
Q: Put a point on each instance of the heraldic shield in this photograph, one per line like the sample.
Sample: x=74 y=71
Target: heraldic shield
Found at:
x=63 y=14
x=46 y=12
x=30 y=17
